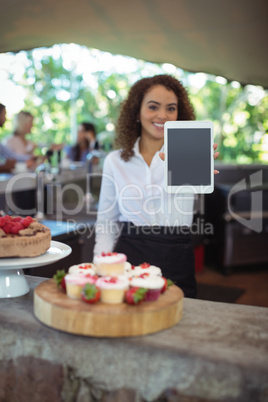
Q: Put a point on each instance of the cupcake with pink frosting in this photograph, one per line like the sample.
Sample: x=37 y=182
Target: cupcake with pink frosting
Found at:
x=112 y=288
x=153 y=284
x=110 y=264
x=76 y=282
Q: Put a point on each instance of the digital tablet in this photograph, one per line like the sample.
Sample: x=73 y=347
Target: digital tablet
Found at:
x=189 y=162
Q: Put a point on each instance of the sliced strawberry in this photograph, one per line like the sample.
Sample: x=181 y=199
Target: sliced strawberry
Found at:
x=167 y=284
x=59 y=278
x=135 y=295
x=112 y=279
x=90 y=293
x=145 y=265
x=85 y=266
x=145 y=275
x=94 y=277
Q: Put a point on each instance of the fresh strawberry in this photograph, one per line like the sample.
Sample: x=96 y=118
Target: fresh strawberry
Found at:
x=90 y=293
x=27 y=221
x=60 y=279
x=16 y=227
x=17 y=219
x=167 y=284
x=145 y=265
x=135 y=295
x=7 y=227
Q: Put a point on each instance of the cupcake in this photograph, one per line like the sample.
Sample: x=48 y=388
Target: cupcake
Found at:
x=128 y=267
x=76 y=282
x=84 y=268
x=110 y=264
x=145 y=267
x=153 y=284
x=112 y=288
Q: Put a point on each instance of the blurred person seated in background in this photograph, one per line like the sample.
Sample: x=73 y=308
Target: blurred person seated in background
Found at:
x=18 y=142
x=8 y=158
x=91 y=136
x=86 y=142
x=2 y=114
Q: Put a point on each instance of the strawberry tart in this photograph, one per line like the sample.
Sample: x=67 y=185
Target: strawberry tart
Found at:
x=110 y=264
x=23 y=237
x=112 y=288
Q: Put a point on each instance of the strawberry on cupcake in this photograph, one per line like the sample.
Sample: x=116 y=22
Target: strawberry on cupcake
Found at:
x=83 y=268
x=76 y=282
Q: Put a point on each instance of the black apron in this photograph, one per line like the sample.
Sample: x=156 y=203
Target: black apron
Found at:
x=169 y=248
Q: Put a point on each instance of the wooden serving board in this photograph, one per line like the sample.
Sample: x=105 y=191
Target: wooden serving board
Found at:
x=55 y=309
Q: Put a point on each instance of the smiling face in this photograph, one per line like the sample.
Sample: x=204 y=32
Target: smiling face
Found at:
x=158 y=106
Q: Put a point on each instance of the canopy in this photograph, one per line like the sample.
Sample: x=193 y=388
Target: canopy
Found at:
x=227 y=38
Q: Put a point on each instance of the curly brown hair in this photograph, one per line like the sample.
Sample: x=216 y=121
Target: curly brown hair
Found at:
x=128 y=127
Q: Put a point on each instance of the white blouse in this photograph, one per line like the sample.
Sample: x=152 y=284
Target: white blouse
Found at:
x=16 y=145
x=133 y=191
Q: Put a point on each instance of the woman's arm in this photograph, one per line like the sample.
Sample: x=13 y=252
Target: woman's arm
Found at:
x=6 y=153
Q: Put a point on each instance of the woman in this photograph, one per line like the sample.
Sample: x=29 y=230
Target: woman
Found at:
x=154 y=225
x=18 y=143
x=86 y=133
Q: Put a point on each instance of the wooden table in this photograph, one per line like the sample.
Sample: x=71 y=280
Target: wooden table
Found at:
x=217 y=352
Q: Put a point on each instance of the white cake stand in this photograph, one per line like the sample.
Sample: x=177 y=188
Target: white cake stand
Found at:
x=13 y=282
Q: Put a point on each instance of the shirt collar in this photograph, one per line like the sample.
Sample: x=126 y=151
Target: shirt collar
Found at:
x=137 y=150
x=136 y=147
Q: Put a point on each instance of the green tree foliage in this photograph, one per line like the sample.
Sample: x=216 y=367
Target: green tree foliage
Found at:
x=59 y=94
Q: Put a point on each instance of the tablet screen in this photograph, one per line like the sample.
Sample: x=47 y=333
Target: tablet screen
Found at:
x=189 y=156
x=189 y=162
